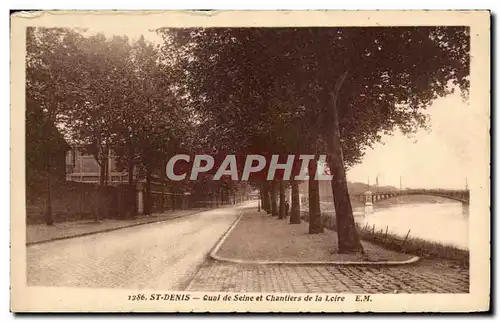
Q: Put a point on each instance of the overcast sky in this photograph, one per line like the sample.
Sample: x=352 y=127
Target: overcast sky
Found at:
x=435 y=159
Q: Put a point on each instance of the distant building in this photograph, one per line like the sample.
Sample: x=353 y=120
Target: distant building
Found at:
x=83 y=167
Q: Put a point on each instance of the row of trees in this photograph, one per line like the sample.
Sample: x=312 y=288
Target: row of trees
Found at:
x=330 y=91
x=110 y=94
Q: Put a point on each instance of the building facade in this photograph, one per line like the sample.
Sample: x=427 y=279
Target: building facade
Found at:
x=83 y=167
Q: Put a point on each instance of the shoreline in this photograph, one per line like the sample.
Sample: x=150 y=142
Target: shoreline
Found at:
x=405 y=244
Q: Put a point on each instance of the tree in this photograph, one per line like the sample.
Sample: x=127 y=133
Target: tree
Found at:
x=315 y=223
x=157 y=120
x=106 y=97
x=281 y=212
x=295 y=206
x=46 y=100
x=378 y=85
x=108 y=94
x=45 y=156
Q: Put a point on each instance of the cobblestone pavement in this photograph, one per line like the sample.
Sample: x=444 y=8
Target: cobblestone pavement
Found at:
x=424 y=277
x=163 y=255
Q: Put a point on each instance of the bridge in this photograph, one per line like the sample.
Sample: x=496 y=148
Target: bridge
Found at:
x=373 y=197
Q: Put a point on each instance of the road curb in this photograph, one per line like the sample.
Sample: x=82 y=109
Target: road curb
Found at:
x=110 y=229
x=224 y=237
x=214 y=256
x=217 y=246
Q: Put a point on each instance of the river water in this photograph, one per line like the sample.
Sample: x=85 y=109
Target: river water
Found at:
x=446 y=222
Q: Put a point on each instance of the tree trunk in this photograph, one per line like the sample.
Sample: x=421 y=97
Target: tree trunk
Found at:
x=274 y=206
x=348 y=237
x=266 y=204
x=261 y=197
x=268 y=197
x=100 y=188
x=223 y=196
x=315 y=224
x=281 y=213
x=162 y=181
x=105 y=162
x=131 y=208
x=295 y=210
x=49 y=220
x=147 y=192
x=172 y=191
x=130 y=173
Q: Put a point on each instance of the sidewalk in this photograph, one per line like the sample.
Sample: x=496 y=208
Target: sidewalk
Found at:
x=260 y=238
x=42 y=233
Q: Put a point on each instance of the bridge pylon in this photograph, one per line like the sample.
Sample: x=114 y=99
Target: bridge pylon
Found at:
x=368 y=202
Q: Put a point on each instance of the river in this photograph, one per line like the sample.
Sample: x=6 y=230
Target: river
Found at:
x=446 y=222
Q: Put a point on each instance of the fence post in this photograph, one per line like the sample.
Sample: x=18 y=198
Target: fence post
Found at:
x=406 y=237
x=140 y=200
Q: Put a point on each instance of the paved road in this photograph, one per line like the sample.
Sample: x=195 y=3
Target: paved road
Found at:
x=162 y=255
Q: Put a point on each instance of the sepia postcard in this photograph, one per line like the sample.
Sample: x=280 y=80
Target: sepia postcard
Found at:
x=250 y=161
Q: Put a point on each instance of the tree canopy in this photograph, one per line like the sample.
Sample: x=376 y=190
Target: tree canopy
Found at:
x=294 y=89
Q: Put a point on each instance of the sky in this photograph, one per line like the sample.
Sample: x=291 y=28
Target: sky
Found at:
x=131 y=31
x=439 y=158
